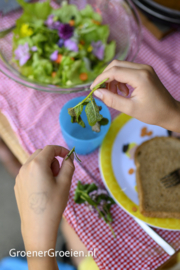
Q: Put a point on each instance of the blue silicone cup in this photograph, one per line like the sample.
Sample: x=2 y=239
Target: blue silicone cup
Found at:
x=84 y=139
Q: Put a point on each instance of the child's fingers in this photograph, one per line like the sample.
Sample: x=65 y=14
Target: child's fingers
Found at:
x=47 y=155
x=120 y=74
x=55 y=167
x=123 y=89
x=112 y=86
x=33 y=155
x=125 y=64
x=114 y=100
x=63 y=181
x=65 y=174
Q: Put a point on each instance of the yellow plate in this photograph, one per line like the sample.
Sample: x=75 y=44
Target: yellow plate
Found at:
x=107 y=168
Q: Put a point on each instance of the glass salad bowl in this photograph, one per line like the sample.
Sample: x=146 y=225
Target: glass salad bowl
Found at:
x=124 y=26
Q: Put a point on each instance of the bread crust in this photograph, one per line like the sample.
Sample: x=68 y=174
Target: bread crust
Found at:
x=142 y=209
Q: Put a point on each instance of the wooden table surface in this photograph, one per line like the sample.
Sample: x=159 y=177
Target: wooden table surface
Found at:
x=11 y=140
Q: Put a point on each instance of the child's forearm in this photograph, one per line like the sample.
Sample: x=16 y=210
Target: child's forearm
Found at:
x=40 y=254
x=45 y=263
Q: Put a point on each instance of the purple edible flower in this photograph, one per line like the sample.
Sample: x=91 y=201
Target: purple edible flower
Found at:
x=98 y=49
x=65 y=31
x=34 y=49
x=71 y=45
x=56 y=25
x=93 y=196
x=60 y=42
x=54 y=55
x=50 y=23
x=22 y=54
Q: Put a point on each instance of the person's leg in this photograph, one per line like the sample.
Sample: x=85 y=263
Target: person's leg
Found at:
x=74 y=243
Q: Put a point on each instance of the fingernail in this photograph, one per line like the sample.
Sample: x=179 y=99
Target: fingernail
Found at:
x=98 y=94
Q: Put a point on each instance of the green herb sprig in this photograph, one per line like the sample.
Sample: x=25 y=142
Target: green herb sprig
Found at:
x=70 y=152
x=100 y=202
x=95 y=119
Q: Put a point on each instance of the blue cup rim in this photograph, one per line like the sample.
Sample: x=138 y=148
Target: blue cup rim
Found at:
x=101 y=135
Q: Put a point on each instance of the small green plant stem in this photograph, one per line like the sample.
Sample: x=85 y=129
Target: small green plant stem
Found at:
x=106 y=221
x=72 y=151
x=94 y=89
x=84 y=196
x=77 y=157
x=111 y=229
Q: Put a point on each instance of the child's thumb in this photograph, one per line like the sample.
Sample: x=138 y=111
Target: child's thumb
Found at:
x=65 y=174
x=112 y=100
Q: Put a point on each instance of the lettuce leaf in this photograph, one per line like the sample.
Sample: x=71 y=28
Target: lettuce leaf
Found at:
x=109 y=51
x=67 y=12
x=98 y=32
x=88 y=12
x=36 y=10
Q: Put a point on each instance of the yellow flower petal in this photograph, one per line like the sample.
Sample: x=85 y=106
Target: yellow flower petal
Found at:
x=25 y=30
x=90 y=48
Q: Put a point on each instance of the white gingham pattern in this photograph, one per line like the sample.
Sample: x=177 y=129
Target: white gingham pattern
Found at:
x=34 y=117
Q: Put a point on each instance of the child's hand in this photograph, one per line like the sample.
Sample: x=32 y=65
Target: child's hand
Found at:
x=150 y=102
x=41 y=191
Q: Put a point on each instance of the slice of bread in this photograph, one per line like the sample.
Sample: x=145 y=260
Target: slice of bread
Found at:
x=154 y=159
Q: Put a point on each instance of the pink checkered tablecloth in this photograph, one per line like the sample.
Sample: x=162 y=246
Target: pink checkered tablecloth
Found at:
x=34 y=117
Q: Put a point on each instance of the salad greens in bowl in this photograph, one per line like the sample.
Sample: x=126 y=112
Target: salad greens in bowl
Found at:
x=64 y=48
